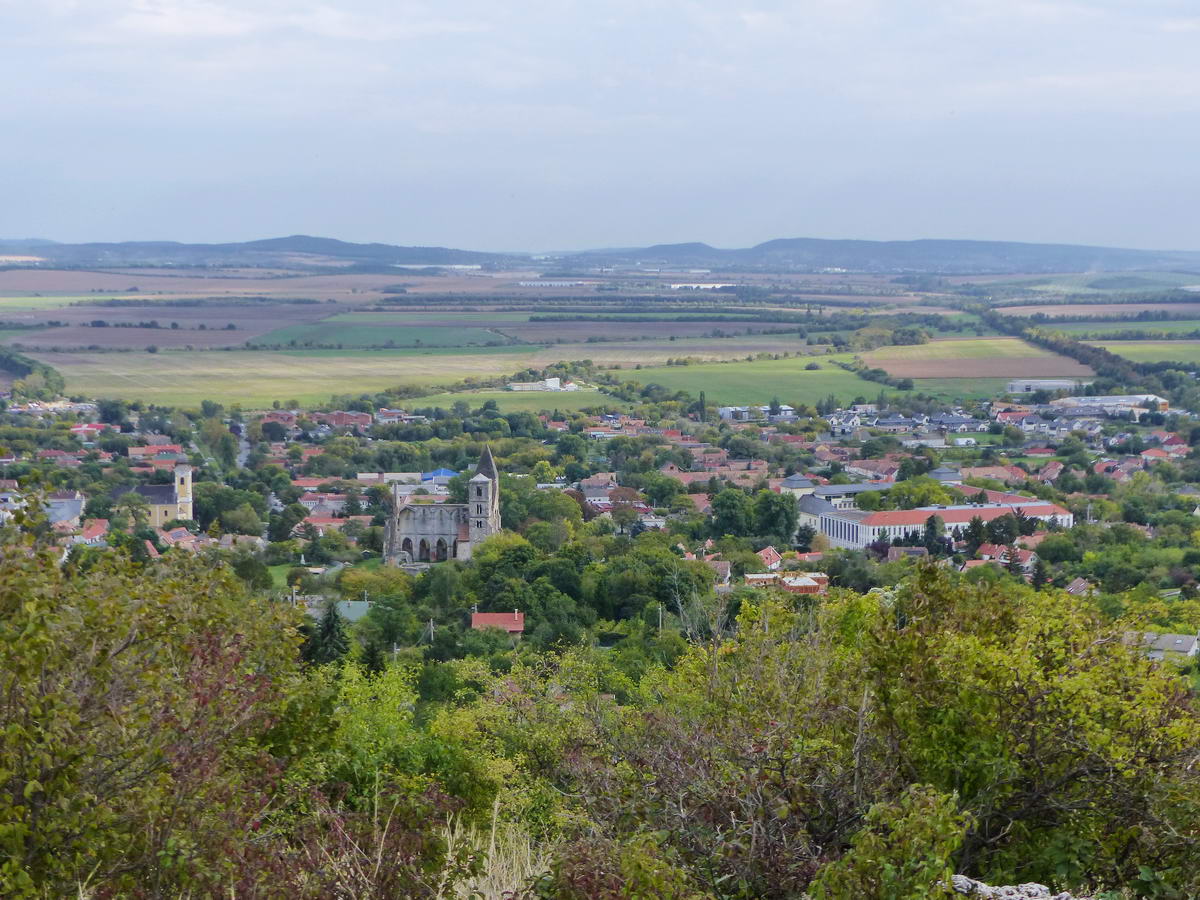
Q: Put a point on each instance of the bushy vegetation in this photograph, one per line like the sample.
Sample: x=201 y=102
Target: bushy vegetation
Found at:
x=162 y=735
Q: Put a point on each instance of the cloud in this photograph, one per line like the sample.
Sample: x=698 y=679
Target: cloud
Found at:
x=680 y=97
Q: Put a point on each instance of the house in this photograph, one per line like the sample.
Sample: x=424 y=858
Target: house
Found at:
x=1079 y=587
x=93 y=533
x=721 y=568
x=513 y=622
x=10 y=501
x=897 y=553
x=324 y=504
x=65 y=508
x=322 y=524
x=1159 y=646
x=1000 y=554
x=879 y=469
x=342 y=419
x=946 y=475
x=387 y=416
x=1006 y=474
x=153 y=450
x=280 y=417
x=1049 y=473
x=806 y=583
x=770 y=558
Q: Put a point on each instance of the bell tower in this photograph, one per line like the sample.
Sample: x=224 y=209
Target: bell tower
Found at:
x=483 y=498
x=183 y=490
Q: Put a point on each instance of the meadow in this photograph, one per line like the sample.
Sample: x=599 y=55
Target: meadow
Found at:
x=257 y=377
x=522 y=401
x=1181 y=326
x=1075 y=310
x=1154 y=351
x=379 y=333
x=1002 y=357
x=760 y=381
x=1102 y=284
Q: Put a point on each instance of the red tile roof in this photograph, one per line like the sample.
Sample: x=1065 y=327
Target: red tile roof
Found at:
x=959 y=516
x=513 y=622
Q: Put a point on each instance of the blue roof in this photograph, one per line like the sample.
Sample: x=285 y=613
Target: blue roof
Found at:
x=438 y=473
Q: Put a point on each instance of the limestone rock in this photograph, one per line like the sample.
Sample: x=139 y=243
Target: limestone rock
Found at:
x=972 y=888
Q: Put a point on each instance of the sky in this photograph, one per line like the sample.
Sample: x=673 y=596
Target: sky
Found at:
x=570 y=124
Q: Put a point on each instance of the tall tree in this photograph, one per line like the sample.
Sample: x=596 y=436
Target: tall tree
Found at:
x=328 y=642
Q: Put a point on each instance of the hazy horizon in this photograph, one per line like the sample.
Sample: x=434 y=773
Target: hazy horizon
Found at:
x=563 y=126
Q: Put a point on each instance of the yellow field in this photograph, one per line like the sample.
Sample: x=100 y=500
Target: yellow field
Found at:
x=254 y=378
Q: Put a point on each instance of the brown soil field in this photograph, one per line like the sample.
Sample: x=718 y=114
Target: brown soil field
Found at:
x=253 y=317
x=252 y=320
x=539 y=332
x=343 y=288
x=1069 y=310
x=360 y=288
x=80 y=337
x=994 y=367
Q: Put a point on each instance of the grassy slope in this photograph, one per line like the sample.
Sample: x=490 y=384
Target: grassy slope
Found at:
x=369 y=333
x=1154 y=351
x=743 y=382
x=1103 y=284
x=967 y=348
x=255 y=378
x=1113 y=327
x=521 y=401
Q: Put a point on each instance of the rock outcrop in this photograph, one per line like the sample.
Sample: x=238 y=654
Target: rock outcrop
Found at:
x=972 y=888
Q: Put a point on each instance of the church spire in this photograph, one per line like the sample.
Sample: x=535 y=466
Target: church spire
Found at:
x=487 y=465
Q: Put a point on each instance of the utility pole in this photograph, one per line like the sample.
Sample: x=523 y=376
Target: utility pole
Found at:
x=660 y=618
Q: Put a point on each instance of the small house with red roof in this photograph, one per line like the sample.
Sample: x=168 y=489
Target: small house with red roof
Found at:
x=513 y=622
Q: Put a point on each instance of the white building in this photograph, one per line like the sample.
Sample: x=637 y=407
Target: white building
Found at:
x=855 y=528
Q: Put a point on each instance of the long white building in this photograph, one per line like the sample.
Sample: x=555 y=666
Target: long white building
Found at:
x=856 y=528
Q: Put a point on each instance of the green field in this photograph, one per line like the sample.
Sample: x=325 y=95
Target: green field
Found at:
x=965 y=348
x=1181 y=326
x=760 y=381
x=1101 y=283
x=401 y=316
x=951 y=389
x=256 y=378
x=374 y=333
x=7 y=303
x=521 y=401
x=1154 y=351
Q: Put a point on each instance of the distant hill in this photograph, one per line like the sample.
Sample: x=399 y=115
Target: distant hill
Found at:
x=785 y=254
x=937 y=256
x=295 y=251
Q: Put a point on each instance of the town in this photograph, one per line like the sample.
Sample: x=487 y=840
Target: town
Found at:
x=1048 y=483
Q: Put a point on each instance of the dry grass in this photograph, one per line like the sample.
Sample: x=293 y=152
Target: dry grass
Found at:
x=512 y=860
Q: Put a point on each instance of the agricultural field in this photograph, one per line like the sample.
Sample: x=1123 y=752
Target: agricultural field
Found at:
x=1076 y=310
x=257 y=377
x=1182 y=326
x=522 y=401
x=960 y=390
x=760 y=381
x=375 y=333
x=1003 y=357
x=1153 y=351
x=199 y=325
x=1101 y=284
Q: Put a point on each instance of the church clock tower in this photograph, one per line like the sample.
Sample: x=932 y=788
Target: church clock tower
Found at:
x=483 y=498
